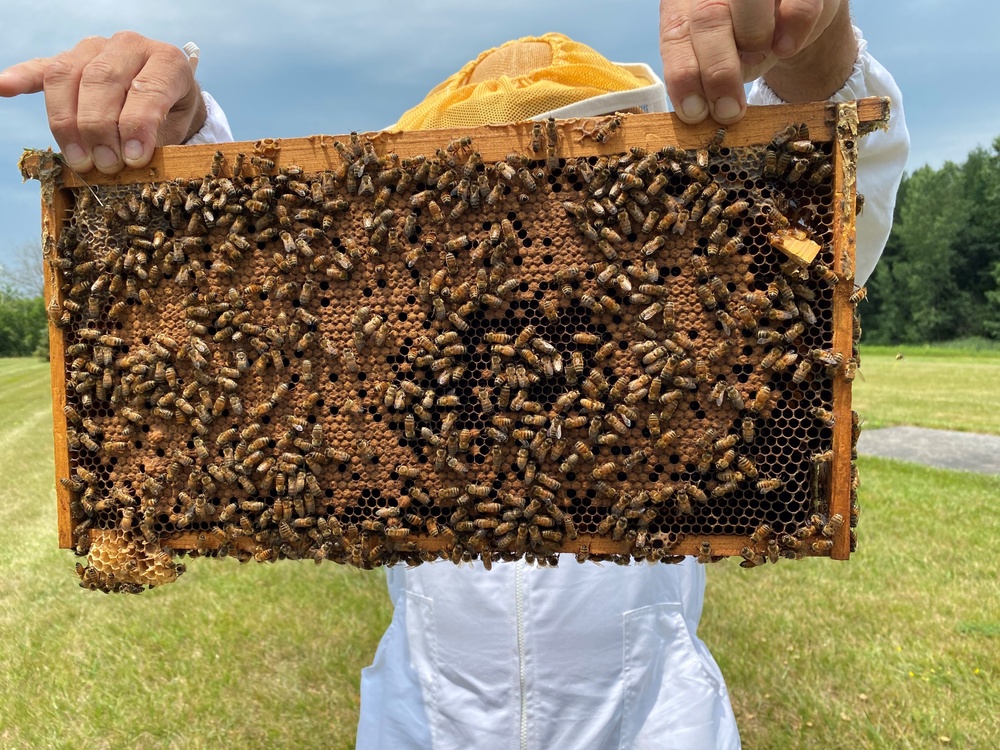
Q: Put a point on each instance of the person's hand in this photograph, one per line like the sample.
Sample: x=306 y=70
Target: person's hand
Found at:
x=110 y=102
x=710 y=48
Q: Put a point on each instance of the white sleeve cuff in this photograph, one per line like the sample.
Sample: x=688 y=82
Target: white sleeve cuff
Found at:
x=881 y=154
x=216 y=127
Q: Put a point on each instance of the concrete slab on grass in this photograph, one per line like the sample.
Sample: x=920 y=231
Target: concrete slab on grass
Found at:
x=944 y=449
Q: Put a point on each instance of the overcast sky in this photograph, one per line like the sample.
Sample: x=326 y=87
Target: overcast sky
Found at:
x=331 y=67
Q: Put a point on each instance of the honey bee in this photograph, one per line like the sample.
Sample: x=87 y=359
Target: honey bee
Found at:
x=751 y=559
x=350 y=362
x=650 y=221
x=798 y=170
x=802 y=371
x=860 y=294
x=705 y=553
x=605 y=470
x=526 y=179
x=783 y=362
x=536 y=137
x=823 y=416
x=696 y=172
x=761 y=534
x=711 y=215
x=680 y=224
x=825 y=274
x=821 y=173
x=656 y=187
x=831 y=527
x=606 y=130
x=765 y=486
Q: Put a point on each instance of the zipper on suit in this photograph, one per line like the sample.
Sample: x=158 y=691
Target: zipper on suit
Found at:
x=519 y=610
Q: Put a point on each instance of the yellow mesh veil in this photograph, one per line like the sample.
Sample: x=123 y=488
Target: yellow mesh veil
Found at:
x=517 y=81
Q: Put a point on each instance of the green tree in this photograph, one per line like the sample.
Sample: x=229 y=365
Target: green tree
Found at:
x=937 y=277
x=921 y=299
x=977 y=242
x=991 y=309
x=23 y=326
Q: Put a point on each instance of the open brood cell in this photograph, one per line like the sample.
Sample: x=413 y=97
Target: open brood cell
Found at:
x=455 y=354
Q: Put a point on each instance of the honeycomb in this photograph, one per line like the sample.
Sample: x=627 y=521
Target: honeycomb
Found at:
x=122 y=561
x=437 y=356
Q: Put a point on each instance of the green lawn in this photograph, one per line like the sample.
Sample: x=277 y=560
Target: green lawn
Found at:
x=895 y=649
x=945 y=388
x=899 y=648
x=263 y=656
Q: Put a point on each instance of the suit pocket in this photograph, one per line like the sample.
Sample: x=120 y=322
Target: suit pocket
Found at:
x=421 y=636
x=399 y=691
x=674 y=696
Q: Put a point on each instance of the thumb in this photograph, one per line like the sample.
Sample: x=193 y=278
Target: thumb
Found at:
x=24 y=78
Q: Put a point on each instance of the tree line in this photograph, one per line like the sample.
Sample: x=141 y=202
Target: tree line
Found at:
x=938 y=279
x=23 y=324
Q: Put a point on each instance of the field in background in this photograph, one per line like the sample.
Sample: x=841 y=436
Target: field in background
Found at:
x=896 y=649
x=941 y=387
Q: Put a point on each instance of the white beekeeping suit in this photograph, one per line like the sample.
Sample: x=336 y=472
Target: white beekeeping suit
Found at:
x=581 y=656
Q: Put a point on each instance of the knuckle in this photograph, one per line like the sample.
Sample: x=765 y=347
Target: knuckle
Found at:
x=59 y=70
x=127 y=37
x=140 y=124
x=100 y=72
x=96 y=126
x=719 y=75
x=754 y=40
x=62 y=124
x=682 y=78
x=674 y=29
x=801 y=14
x=153 y=92
x=710 y=14
x=174 y=56
x=89 y=46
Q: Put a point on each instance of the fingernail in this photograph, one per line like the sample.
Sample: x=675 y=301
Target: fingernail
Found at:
x=784 y=46
x=104 y=157
x=694 y=108
x=726 y=108
x=75 y=155
x=132 y=150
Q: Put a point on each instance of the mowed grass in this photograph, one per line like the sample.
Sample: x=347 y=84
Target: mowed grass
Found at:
x=943 y=388
x=898 y=648
x=256 y=656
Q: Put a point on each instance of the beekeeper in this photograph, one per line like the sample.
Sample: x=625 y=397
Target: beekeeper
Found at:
x=580 y=656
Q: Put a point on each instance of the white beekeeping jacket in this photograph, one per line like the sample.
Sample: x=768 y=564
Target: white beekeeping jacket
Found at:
x=581 y=656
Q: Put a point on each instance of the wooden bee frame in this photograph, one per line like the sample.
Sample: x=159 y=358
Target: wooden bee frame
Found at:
x=511 y=340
